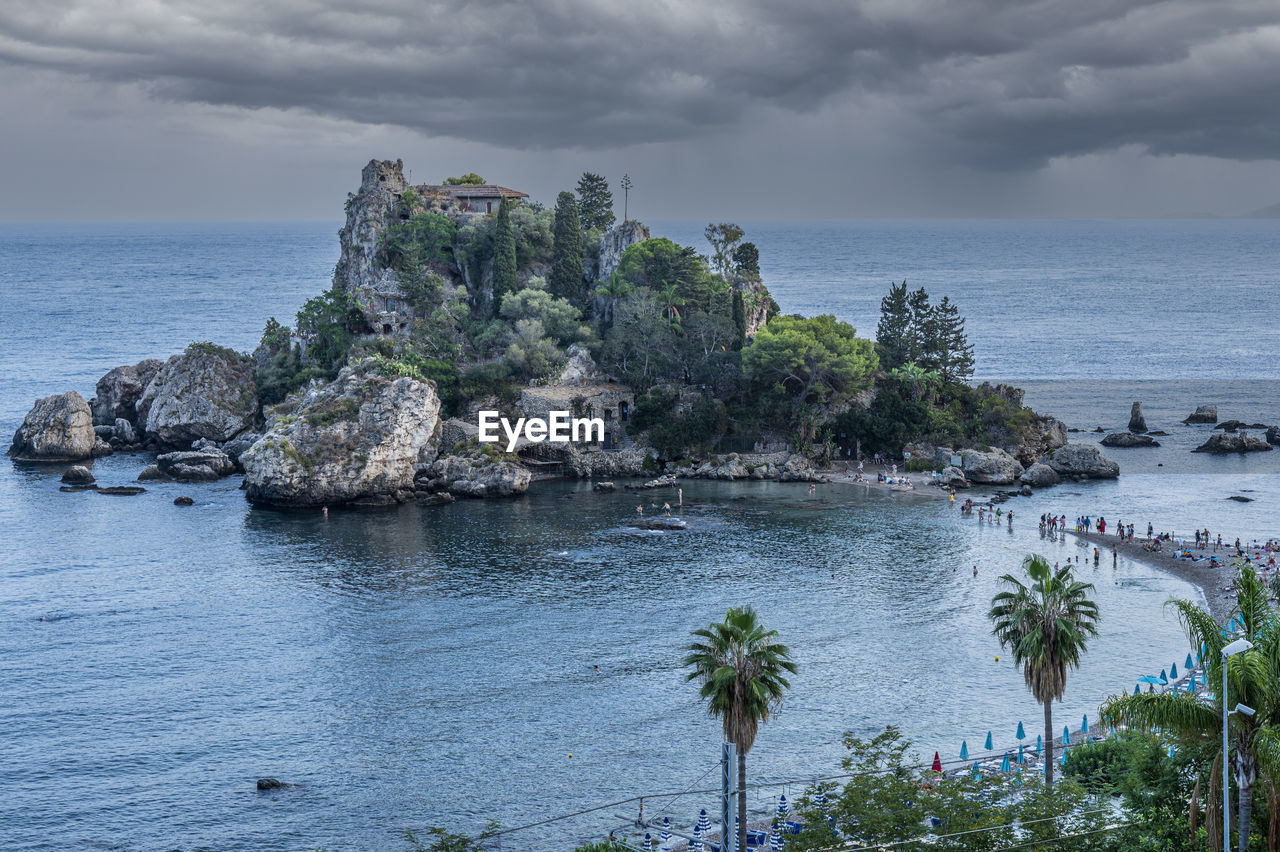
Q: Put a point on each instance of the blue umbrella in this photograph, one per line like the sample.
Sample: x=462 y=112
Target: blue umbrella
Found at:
x=700 y=831
x=775 y=840
x=1173 y=672
x=1170 y=749
x=783 y=807
x=1191 y=685
x=976 y=773
x=820 y=799
x=1189 y=665
x=1039 y=743
x=649 y=842
x=988 y=746
x=666 y=834
x=1164 y=678
x=1084 y=724
x=964 y=749
x=1066 y=735
x=1004 y=764
x=1022 y=735
x=1149 y=679
x=1062 y=761
x=1021 y=758
x=1137 y=688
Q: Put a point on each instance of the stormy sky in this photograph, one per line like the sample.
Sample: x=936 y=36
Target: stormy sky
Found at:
x=754 y=109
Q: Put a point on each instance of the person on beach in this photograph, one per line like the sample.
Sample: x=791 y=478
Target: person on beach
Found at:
x=1095 y=557
x=666 y=508
x=640 y=510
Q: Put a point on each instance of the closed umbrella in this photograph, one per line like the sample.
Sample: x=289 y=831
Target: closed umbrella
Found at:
x=1021 y=735
x=988 y=745
x=783 y=807
x=666 y=834
x=1021 y=757
x=1189 y=665
x=1191 y=684
x=1062 y=761
x=964 y=749
x=775 y=840
x=1039 y=743
x=1137 y=688
x=700 y=831
x=1084 y=724
x=1173 y=672
x=820 y=799
x=649 y=842
x=1164 y=678
x=976 y=772
x=1004 y=764
x=1066 y=735
x=937 y=762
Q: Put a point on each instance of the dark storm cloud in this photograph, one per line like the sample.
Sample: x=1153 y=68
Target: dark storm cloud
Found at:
x=1003 y=83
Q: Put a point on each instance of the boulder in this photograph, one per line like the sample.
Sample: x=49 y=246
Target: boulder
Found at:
x=237 y=446
x=123 y=431
x=183 y=501
x=603 y=486
x=942 y=457
x=78 y=475
x=358 y=436
x=797 y=469
x=614 y=242
x=1025 y=491
x=1042 y=435
x=203 y=465
x=1240 y=498
x=100 y=448
x=1040 y=475
x=153 y=473
x=479 y=474
x=106 y=433
x=1083 y=460
x=58 y=427
x=205 y=392
x=1273 y=435
x=1225 y=443
x=117 y=393
x=123 y=490
x=435 y=498
x=952 y=477
x=1203 y=414
x=994 y=467
x=1137 y=423
x=1128 y=439
x=1234 y=425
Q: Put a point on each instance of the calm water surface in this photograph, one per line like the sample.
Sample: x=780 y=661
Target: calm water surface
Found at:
x=412 y=667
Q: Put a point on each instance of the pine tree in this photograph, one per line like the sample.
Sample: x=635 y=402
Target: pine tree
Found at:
x=595 y=202
x=504 y=256
x=565 y=279
x=893 y=333
x=746 y=260
x=921 y=347
x=957 y=353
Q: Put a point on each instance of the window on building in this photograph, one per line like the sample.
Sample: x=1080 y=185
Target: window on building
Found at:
x=391 y=304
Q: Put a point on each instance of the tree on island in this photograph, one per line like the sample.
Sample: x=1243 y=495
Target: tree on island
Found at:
x=1253 y=679
x=565 y=279
x=746 y=260
x=595 y=202
x=893 y=333
x=911 y=330
x=1046 y=626
x=950 y=345
x=742 y=669
x=724 y=239
x=469 y=179
x=504 y=256
x=813 y=361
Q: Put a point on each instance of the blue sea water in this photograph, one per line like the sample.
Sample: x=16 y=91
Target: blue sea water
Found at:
x=413 y=666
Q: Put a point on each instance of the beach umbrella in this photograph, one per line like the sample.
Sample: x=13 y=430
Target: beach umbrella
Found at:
x=937 y=762
x=1066 y=735
x=1137 y=688
x=1022 y=735
x=783 y=807
x=700 y=831
x=820 y=799
x=988 y=745
x=1039 y=743
x=1200 y=654
x=1084 y=724
x=976 y=772
x=964 y=749
x=1189 y=665
x=1021 y=758
x=649 y=842
x=1173 y=672
x=1004 y=764
x=1171 y=750
x=775 y=840
x=1191 y=684
x=666 y=834
x=1062 y=761
x=1164 y=678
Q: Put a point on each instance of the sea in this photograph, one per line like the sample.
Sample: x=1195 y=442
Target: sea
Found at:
x=412 y=667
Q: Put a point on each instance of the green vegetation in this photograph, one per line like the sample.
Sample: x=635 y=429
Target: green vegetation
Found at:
x=439 y=840
x=504 y=256
x=204 y=347
x=469 y=179
x=276 y=336
x=930 y=336
x=1046 y=626
x=566 y=266
x=673 y=435
x=741 y=669
x=426 y=238
x=811 y=361
x=595 y=202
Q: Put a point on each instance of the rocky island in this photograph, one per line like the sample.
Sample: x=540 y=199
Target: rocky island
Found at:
x=462 y=297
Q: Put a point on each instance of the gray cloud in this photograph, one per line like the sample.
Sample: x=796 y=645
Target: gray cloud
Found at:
x=1001 y=84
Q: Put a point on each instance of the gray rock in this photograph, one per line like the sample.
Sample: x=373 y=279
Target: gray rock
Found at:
x=205 y=392
x=1040 y=475
x=106 y=433
x=153 y=473
x=123 y=490
x=1203 y=414
x=183 y=501
x=78 y=475
x=117 y=393
x=270 y=784
x=58 y=427
x=1240 y=498
x=196 y=465
x=953 y=477
x=616 y=241
x=476 y=475
x=358 y=436
x=237 y=445
x=603 y=486
x=1273 y=435
x=1225 y=443
x=77 y=488
x=192 y=473
x=435 y=498
x=1128 y=439
x=100 y=448
x=995 y=467
x=1137 y=423
x=124 y=433
x=1234 y=425
x=1025 y=491
x=1083 y=460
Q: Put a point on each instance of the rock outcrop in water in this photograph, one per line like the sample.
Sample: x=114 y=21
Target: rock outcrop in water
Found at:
x=995 y=467
x=358 y=437
x=1203 y=414
x=1225 y=443
x=58 y=427
x=1083 y=460
x=117 y=393
x=202 y=465
x=1137 y=422
x=480 y=473
x=1040 y=475
x=204 y=392
x=1128 y=439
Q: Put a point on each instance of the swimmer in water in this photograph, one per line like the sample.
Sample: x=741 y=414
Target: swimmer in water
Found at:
x=666 y=508
x=640 y=510
x=975 y=570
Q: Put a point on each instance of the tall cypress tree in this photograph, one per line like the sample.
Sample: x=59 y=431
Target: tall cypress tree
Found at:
x=504 y=256
x=740 y=318
x=565 y=280
x=893 y=333
x=595 y=202
x=921 y=346
x=957 y=352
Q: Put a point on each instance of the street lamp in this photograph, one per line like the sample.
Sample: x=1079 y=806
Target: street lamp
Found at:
x=1237 y=647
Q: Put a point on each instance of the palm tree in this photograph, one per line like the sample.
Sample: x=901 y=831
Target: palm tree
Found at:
x=742 y=668
x=1046 y=626
x=1253 y=679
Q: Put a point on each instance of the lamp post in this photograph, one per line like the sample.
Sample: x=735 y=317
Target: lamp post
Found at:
x=1237 y=647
